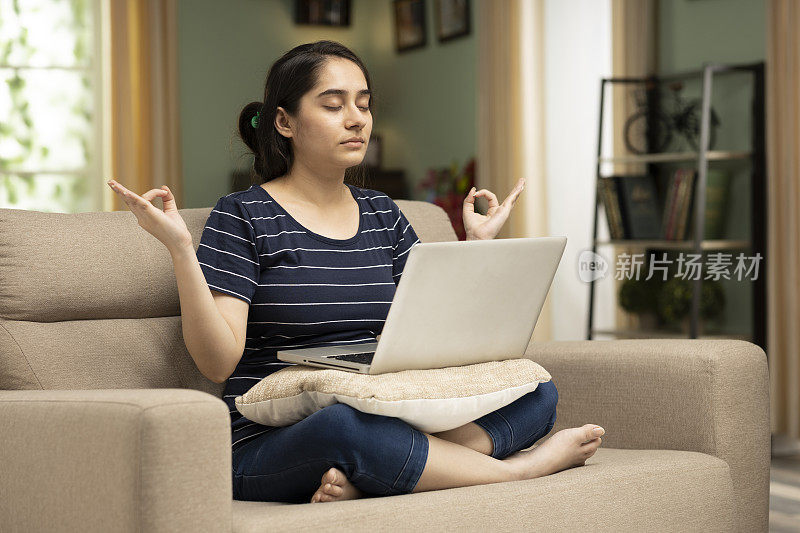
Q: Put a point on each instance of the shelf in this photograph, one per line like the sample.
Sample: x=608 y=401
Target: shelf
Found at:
x=745 y=157
x=675 y=157
x=664 y=334
x=680 y=245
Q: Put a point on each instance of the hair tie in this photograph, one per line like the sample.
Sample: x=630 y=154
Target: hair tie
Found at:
x=254 y=120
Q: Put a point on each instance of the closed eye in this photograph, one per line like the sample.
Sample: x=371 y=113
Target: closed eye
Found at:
x=339 y=107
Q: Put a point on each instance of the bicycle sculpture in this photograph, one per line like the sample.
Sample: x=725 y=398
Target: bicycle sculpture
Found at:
x=682 y=120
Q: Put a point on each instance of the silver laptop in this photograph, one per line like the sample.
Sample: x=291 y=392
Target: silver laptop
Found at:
x=458 y=303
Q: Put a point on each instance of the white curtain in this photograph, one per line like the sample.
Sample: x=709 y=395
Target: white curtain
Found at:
x=510 y=36
x=783 y=223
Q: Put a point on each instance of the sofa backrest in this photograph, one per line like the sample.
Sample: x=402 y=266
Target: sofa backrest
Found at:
x=90 y=301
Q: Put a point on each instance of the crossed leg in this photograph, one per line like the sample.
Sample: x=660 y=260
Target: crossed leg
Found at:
x=470 y=435
x=530 y=409
x=520 y=414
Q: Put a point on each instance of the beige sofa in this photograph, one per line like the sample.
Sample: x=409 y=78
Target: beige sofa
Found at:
x=107 y=425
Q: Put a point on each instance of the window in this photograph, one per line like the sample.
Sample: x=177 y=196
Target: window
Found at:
x=50 y=105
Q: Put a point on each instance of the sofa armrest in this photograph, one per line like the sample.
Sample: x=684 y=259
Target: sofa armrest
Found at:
x=708 y=396
x=115 y=460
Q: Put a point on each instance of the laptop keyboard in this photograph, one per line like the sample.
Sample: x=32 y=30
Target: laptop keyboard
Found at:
x=361 y=357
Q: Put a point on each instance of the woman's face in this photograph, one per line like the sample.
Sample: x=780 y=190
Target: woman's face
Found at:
x=335 y=110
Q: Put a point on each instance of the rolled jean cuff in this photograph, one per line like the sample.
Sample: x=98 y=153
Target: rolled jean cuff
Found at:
x=415 y=464
x=500 y=431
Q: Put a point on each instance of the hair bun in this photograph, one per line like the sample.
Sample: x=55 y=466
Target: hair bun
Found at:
x=248 y=120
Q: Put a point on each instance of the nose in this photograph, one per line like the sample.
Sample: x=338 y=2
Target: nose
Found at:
x=355 y=117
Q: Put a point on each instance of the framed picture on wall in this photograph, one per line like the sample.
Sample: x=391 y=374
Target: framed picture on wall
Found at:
x=322 y=12
x=452 y=19
x=409 y=24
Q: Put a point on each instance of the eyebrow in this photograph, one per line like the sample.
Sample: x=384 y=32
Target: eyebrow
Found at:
x=342 y=92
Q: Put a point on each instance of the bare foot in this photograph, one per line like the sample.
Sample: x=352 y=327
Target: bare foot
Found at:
x=564 y=449
x=335 y=487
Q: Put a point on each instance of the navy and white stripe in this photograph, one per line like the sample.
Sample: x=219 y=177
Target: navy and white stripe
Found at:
x=304 y=289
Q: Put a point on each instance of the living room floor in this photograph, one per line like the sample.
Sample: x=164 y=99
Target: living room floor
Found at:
x=784 y=494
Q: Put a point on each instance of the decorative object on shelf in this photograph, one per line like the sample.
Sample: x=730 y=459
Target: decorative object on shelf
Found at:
x=638 y=295
x=447 y=187
x=671 y=300
x=452 y=19
x=322 y=12
x=674 y=300
x=409 y=25
x=650 y=129
x=373 y=157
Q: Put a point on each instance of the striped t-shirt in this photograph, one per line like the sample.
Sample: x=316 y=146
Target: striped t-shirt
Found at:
x=304 y=289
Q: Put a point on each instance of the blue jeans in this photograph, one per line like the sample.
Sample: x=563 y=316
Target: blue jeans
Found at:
x=380 y=455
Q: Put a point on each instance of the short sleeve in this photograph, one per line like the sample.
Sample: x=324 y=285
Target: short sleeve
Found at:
x=404 y=239
x=227 y=252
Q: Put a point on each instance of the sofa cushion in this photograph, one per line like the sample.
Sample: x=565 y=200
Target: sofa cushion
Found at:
x=431 y=400
x=616 y=490
x=89 y=300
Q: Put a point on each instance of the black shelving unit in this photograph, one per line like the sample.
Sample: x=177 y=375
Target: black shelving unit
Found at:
x=756 y=244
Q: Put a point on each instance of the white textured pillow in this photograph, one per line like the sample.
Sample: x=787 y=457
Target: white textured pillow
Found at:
x=431 y=400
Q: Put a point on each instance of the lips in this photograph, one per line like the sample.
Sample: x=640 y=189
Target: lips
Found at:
x=354 y=139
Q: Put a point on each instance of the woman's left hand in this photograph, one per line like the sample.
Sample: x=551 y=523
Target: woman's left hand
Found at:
x=481 y=227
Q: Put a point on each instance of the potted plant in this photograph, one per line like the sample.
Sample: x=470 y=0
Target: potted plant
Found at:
x=668 y=303
x=675 y=302
x=638 y=297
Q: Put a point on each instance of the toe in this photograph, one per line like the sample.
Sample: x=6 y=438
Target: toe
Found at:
x=590 y=441
x=330 y=477
x=333 y=490
x=590 y=433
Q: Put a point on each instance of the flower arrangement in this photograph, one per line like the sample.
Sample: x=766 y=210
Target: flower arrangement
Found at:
x=447 y=187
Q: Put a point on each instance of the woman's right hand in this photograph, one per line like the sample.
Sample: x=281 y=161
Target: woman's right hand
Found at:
x=167 y=226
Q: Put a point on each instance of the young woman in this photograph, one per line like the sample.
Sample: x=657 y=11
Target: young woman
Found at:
x=305 y=259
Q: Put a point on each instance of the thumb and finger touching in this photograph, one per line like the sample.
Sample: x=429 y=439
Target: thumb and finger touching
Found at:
x=167 y=225
x=497 y=213
x=133 y=200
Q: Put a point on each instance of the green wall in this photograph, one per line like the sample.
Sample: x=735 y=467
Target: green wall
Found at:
x=429 y=110
x=425 y=98
x=693 y=31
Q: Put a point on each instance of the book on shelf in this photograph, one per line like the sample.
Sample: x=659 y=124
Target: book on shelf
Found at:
x=717 y=192
x=672 y=201
x=669 y=202
x=639 y=206
x=611 y=206
x=631 y=205
x=634 y=209
x=685 y=198
x=679 y=204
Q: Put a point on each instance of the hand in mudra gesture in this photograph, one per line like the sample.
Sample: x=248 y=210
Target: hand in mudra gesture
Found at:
x=167 y=226
x=487 y=226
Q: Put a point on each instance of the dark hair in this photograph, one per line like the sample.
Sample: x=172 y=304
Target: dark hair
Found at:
x=289 y=78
